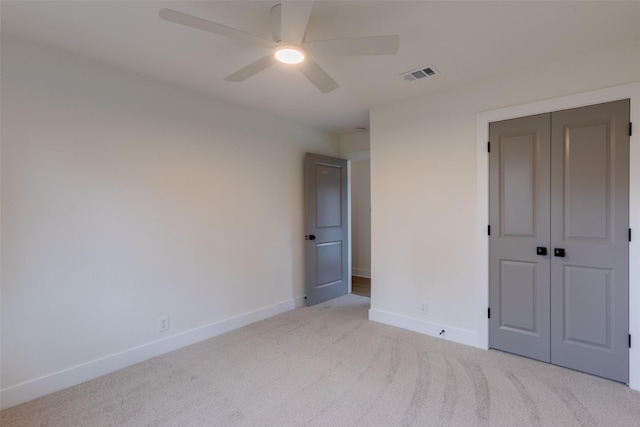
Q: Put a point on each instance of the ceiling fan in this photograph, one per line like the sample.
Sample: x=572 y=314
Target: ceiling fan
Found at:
x=289 y=22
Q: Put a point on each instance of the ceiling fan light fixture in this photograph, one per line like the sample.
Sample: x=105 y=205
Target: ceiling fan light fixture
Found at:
x=289 y=54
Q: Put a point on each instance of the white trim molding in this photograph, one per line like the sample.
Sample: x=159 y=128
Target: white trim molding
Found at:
x=457 y=335
x=357 y=155
x=629 y=91
x=361 y=272
x=60 y=380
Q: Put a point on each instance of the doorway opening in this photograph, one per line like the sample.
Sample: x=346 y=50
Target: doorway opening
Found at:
x=360 y=196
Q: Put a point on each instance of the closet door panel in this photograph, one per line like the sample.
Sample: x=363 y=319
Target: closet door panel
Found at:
x=589 y=222
x=519 y=214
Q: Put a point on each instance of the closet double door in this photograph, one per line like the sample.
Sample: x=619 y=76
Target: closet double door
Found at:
x=559 y=238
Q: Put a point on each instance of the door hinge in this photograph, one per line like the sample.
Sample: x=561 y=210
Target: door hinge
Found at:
x=489 y=147
x=629 y=340
x=488 y=312
x=629 y=234
x=630 y=128
x=488 y=230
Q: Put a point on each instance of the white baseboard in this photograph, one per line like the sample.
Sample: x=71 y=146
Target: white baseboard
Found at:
x=361 y=272
x=60 y=380
x=460 y=336
x=299 y=301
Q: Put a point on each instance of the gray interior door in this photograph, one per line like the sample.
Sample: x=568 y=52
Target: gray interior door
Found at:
x=519 y=215
x=327 y=228
x=590 y=222
x=559 y=183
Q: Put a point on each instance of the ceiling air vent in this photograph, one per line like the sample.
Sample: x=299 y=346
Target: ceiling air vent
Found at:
x=420 y=73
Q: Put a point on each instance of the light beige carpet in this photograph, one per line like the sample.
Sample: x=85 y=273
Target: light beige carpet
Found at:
x=329 y=366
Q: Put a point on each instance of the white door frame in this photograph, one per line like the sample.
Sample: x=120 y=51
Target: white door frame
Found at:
x=628 y=91
x=350 y=157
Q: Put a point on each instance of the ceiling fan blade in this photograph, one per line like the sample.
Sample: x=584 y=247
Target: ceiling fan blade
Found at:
x=251 y=69
x=294 y=18
x=372 y=45
x=317 y=76
x=212 y=27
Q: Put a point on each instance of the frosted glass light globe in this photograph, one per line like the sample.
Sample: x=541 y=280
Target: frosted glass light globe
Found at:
x=289 y=55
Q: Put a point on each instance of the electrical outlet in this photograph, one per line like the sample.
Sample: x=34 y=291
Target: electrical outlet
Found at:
x=163 y=324
x=423 y=308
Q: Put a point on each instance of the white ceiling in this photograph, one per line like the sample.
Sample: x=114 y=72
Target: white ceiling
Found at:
x=465 y=41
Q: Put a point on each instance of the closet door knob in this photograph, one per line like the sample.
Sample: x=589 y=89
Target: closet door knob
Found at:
x=541 y=250
x=559 y=252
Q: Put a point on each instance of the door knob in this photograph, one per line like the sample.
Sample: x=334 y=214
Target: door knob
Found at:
x=310 y=237
x=559 y=252
x=541 y=250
